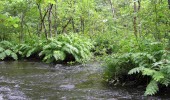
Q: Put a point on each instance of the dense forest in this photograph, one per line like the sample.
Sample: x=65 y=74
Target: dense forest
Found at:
x=131 y=37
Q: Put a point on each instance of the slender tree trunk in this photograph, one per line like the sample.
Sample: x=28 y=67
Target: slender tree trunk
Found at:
x=65 y=26
x=169 y=3
x=55 y=19
x=140 y=26
x=135 y=19
x=73 y=25
x=42 y=22
x=49 y=20
x=45 y=30
x=22 y=28
x=82 y=24
x=112 y=8
x=40 y=26
x=156 y=21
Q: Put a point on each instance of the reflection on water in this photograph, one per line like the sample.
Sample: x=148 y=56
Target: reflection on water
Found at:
x=35 y=80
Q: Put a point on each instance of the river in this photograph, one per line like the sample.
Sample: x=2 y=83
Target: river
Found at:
x=28 y=80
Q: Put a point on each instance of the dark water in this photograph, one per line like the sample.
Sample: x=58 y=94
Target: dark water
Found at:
x=39 y=81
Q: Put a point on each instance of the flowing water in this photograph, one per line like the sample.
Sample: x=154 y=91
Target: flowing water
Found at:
x=26 y=80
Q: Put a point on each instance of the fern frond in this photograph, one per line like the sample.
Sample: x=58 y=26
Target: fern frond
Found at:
x=158 y=75
x=2 y=55
x=1 y=49
x=148 y=71
x=14 y=56
x=152 y=88
x=135 y=70
x=30 y=52
x=59 y=55
x=165 y=81
x=8 y=52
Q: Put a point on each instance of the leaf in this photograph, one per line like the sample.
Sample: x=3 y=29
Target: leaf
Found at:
x=148 y=71
x=135 y=70
x=2 y=55
x=51 y=1
x=8 y=52
x=72 y=48
x=14 y=56
x=151 y=88
x=1 y=49
x=165 y=80
x=30 y=52
x=41 y=53
x=59 y=55
x=157 y=76
x=15 y=25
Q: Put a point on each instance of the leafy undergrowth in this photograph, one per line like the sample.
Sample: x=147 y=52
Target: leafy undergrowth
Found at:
x=64 y=48
x=7 y=51
x=150 y=67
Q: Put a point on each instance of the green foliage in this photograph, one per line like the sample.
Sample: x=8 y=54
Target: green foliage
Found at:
x=116 y=66
x=71 y=47
x=158 y=71
x=152 y=88
x=67 y=47
x=7 y=50
x=105 y=43
x=152 y=62
x=26 y=50
x=108 y=22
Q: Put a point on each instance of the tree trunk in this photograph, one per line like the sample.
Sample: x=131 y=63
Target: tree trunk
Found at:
x=169 y=3
x=140 y=26
x=82 y=24
x=112 y=8
x=55 y=19
x=65 y=26
x=73 y=25
x=49 y=20
x=135 y=19
x=156 y=21
x=22 y=28
x=42 y=22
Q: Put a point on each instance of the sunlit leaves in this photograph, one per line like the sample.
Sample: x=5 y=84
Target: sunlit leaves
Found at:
x=152 y=88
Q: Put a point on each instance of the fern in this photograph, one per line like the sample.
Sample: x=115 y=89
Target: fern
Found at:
x=152 y=88
x=59 y=55
x=136 y=70
x=30 y=52
x=2 y=55
x=148 y=72
x=158 y=76
x=67 y=45
x=155 y=65
x=1 y=49
x=14 y=56
x=166 y=80
x=7 y=50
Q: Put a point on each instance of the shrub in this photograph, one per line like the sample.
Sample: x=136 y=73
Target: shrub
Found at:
x=26 y=50
x=7 y=50
x=105 y=43
x=67 y=47
x=158 y=71
x=153 y=63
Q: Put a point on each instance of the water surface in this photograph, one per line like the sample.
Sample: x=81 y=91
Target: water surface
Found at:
x=25 y=80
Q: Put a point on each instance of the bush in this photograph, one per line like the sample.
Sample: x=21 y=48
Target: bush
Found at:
x=105 y=43
x=64 y=48
x=67 y=47
x=7 y=50
x=152 y=62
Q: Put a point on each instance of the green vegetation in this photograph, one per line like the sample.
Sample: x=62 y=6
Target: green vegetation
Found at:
x=133 y=36
x=65 y=48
